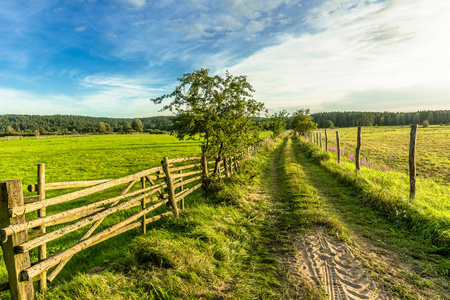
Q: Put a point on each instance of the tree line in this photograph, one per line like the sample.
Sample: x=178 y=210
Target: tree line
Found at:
x=358 y=118
x=12 y=124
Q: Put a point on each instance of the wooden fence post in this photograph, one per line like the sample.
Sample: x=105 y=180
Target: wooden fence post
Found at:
x=412 y=162
x=181 y=189
x=338 y=147
x=204 y=162
x=144 y=227
x=169 y=181
x=42 y=250
x=326 y=141
x=358 y=149
x=227 y=170
x=320 y=140
x=11 y=195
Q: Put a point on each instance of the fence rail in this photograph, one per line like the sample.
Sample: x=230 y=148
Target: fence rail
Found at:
x=22 y=229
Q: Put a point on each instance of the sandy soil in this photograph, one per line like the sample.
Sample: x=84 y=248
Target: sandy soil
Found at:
x=330 y=264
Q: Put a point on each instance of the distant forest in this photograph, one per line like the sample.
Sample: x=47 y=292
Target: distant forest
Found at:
x=69 y=124
x=356 y=118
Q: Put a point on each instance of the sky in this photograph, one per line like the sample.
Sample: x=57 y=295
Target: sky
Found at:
x=108 y=58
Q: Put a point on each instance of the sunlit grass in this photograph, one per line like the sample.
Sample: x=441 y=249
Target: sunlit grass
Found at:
x=428 y=214
x=391 y=144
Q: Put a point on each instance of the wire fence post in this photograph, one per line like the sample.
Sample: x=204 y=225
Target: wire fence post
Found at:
x=412 y=162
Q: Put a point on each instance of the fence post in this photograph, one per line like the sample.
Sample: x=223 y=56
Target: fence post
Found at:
x=181 y=189
x=144 y=227
x=338 y=147
x=11 y=195
x=204 y=162
x=326 y=141
x=412 y=162
x=320 y=140
x=169 y=181
x=227 y=170
x=358 y=149
x=42 y=250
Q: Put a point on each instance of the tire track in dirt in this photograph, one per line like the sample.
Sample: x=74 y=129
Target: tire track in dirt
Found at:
x=331 y=265
x=326 y=261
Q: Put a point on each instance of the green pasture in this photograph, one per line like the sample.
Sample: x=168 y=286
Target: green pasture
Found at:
x=86 y=158
x=89 y=157
x=379 y=143
x=428 y=214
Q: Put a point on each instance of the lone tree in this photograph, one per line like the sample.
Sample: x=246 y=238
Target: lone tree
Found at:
x=277 y=122
x=302 y=122
x=137 y=125
x=217 y=111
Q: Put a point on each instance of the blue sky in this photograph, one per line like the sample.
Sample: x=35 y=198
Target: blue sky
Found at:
x=107 y=58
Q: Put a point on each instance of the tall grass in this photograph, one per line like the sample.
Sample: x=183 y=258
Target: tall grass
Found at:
x=216 y=249
x=428 y=215
x=381 y=143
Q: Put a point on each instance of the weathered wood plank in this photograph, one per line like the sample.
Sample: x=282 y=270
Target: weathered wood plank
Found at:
x=169 y=181
x=11 y=195
x=412 y=162
x=26 y=246
x=181 y=159
x=182 y=175
x=42 y=250
x=358 y=150
x=56 y=258
x=18 y=211
x=6 y=231
x=50 y=186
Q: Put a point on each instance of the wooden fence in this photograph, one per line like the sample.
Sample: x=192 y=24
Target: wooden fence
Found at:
x=25 y=224
x=316 y=138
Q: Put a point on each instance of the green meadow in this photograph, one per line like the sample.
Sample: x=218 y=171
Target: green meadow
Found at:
x=89 y=157
x=388 y=190
x=379 y=143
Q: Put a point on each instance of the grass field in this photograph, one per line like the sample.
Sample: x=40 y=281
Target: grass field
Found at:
x=86 y=158
x=433 y=148
x=427 y=215
x=89 y=157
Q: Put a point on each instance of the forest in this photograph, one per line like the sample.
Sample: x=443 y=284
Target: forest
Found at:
x=358 y=118
x=71 y=124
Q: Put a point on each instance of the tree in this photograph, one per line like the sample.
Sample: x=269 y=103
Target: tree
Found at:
x=302 y=122
x=101 y=127
x=425 y=123
x=108 y=127
x=127 y=127
x=328 y=124
x=217 y=111
x=10 y=130
x=277 y=122
x=137 y=125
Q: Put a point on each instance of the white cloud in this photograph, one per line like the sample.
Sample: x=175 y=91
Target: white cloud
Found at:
x=361 y=46
x=136 y=3
x=80 y=29
x=254 y=26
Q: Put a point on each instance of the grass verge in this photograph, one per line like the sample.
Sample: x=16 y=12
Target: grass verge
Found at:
x=217 y=249
x=388 y=191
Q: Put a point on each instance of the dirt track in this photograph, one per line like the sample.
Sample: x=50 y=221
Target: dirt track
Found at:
x=331 y=265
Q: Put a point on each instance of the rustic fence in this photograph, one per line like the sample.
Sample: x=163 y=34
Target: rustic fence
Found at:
x=25 y=224
x=316 y=138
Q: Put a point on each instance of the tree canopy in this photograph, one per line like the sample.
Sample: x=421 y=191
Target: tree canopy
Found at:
x=217 y=111
x=277 y=122
x=302 y=122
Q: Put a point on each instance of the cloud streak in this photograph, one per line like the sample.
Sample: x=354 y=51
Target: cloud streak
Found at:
x=359 y=47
